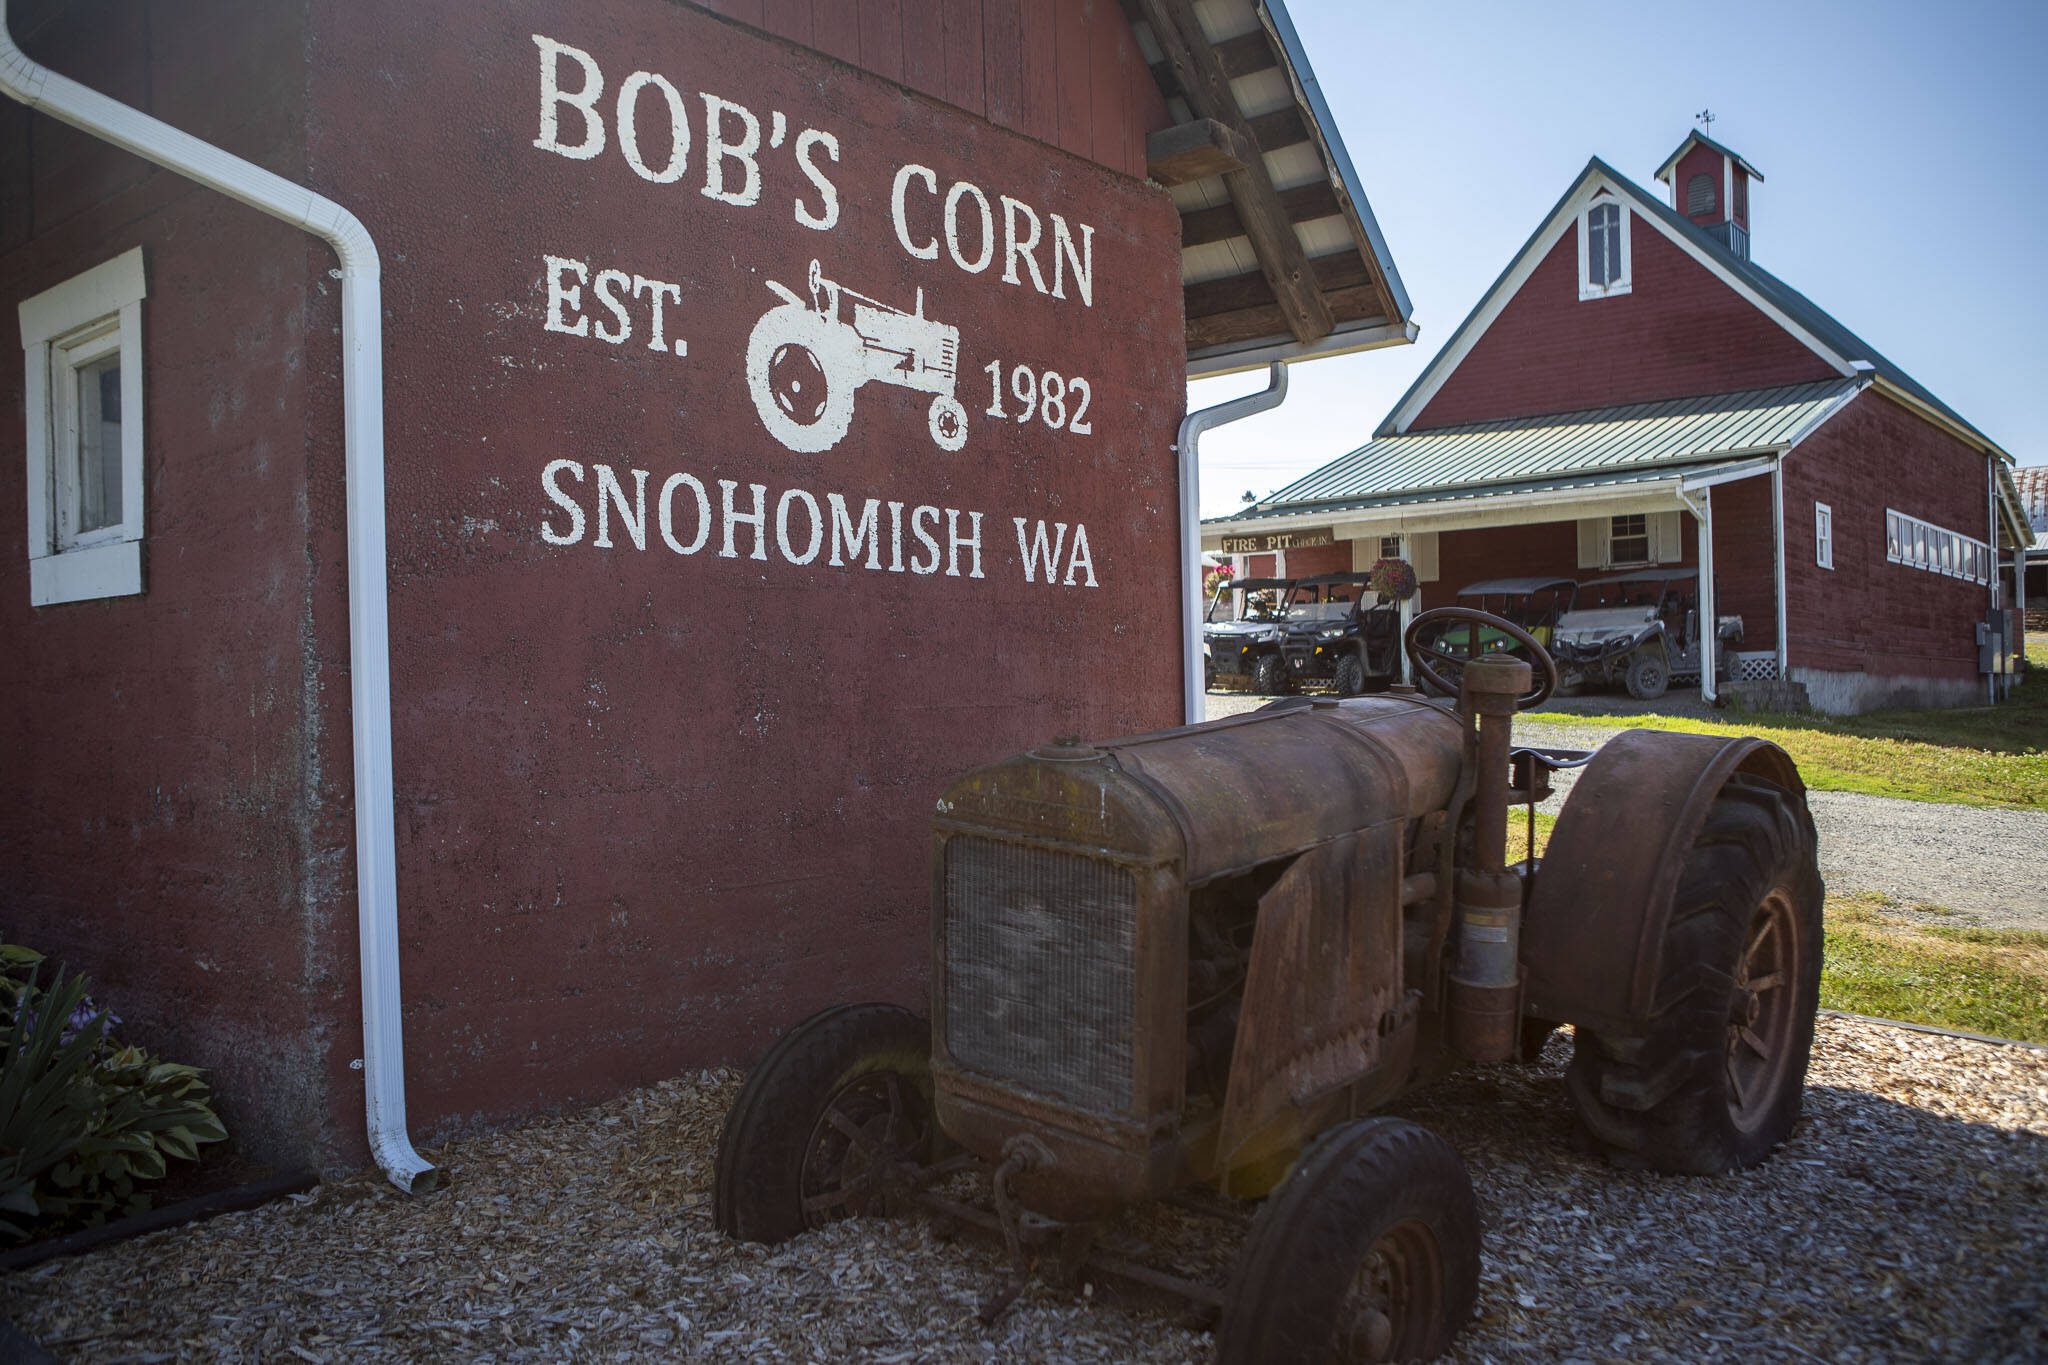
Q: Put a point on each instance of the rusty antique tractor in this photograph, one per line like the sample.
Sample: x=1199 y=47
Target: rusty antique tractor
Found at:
x=1204 y=957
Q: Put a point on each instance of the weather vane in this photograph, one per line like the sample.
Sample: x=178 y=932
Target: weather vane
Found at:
x=1705 y=119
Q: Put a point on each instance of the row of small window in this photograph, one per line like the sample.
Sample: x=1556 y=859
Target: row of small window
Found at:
x=1922 y=545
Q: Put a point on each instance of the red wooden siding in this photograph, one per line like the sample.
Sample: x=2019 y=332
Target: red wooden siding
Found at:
x=1868 y=614
x=1319 y=559
x=1550 y=548
x=1067 y=72
x=1744 y=573
x=1679 y=332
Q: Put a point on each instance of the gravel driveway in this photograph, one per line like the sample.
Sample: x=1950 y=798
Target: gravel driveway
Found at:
x=1979 y=862
x=1906 y=1219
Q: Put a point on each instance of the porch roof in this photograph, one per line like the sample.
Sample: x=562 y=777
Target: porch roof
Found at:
x=1596 y=449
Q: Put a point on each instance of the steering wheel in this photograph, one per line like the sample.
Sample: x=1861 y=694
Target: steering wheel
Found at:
x=1425 y=642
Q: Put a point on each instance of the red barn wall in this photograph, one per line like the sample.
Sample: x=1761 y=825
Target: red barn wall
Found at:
x=1066 y=72
x=1745 y=568
x=1679 y=332
x=174 y=804
x=1867 y=615
x=1544 y=547
x=655 y=807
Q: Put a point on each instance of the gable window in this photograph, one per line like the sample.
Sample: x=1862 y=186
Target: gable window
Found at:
x=82 y=345
x=1603 y=249
x=1628 y=541
x=1823 y=535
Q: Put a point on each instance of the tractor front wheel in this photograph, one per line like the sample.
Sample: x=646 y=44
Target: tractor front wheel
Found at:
x=1713 y=1081
x=1369 y=1250
x=825 y=1124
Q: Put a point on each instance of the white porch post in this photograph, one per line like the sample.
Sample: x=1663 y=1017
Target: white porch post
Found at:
x=1778 y=552
x=1709 y=684
x=1404 y=613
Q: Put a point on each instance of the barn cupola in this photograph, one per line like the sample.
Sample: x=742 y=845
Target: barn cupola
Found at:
x=1710 y=185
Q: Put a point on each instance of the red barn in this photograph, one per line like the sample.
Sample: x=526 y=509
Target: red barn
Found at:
x=1635 y=391
x=541 y=498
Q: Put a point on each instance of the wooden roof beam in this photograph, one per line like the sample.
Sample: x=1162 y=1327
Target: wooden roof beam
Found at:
x=1241 y=56
x=1190 y=151
x=1199 y=73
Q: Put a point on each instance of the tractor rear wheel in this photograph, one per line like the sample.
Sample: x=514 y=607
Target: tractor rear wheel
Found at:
x=1713 y=1081
x=825 y=1123
x=801 y=373
x=1369 y=1250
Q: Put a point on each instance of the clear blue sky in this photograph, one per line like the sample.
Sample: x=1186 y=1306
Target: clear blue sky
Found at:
x=1905 y=181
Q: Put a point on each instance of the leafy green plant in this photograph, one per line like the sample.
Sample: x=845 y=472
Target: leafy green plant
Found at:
x=84 y=1122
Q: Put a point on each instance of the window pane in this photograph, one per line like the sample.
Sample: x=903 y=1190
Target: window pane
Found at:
x=1603 y=245
x=99 y=444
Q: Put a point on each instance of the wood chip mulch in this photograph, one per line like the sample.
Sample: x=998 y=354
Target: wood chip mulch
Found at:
x=1907 y=1218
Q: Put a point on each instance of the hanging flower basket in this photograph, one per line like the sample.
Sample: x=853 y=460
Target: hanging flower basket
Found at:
x=1216 y=578
x=1393 y=579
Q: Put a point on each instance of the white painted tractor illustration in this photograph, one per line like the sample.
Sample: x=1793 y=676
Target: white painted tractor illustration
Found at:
x=804 y=364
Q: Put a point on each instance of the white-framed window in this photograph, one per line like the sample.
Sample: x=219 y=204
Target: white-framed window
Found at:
x=1628 y=540
x=1921 y=544
x=82 y=348
x=1390 y=547
x=1603 y=248
x=1823 y=535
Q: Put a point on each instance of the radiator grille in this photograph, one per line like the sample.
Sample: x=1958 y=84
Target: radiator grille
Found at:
x=1039 y=970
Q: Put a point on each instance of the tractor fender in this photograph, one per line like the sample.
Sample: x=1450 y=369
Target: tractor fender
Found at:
x=1593 y=934
x=787 y=294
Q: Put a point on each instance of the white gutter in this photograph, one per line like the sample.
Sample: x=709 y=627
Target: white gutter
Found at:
x=362 y=398
x=1194 y=705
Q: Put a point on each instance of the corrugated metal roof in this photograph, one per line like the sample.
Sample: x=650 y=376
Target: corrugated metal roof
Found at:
x=2032 y=483
x=1563 y=449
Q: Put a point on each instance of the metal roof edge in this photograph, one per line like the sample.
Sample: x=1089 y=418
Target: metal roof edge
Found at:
x=1348 y=338
x=1281 y=25
x=1695 y=135
x=1673 y=469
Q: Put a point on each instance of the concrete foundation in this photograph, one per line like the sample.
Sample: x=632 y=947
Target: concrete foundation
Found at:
x=1843 y=694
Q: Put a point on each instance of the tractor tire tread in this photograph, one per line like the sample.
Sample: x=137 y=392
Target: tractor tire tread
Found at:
x=1654 y=1097
x=1306 y=1242
x=756 y=1194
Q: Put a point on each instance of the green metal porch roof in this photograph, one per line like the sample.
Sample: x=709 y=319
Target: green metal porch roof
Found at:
x=1623 y=444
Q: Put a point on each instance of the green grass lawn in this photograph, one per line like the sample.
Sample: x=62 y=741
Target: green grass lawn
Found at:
x=1953 y=976
x=1972 y=755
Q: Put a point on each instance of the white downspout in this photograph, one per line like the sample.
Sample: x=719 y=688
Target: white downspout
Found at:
x=362 y=398
x=1778 y=561
x=1194 y=703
